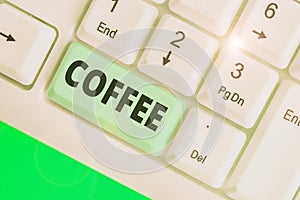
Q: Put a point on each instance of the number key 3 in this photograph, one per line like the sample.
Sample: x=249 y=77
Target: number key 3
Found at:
x=240 y=84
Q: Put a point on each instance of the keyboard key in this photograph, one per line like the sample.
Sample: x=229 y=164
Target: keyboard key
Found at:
x=213 y=168
x=159 y=1
x=115 y=99
x=107 y=20
x=230 y=90
x=213 y=15
x=174 y=52
x=295 y=67
x=270 y=167
x=270 y=30
x=24 y=44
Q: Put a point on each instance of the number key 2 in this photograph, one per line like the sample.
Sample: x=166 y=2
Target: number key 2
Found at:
x=172 y=52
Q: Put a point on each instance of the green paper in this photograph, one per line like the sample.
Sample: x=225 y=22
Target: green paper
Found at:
x=31 y=170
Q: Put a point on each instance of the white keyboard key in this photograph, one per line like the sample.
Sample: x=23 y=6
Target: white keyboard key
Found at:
x=159 y=1
x=270 y=30
x=175 y=54
x=295 y=67
x=24 y=44
x=213 y=168
x=107 y=20
x=238 y=87
x=270 y=166
x=214 y=15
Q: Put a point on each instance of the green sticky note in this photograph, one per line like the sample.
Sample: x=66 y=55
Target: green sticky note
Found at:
x=31 y=170
x=116 y=99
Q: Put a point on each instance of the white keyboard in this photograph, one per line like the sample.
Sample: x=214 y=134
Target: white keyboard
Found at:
x=202 y=100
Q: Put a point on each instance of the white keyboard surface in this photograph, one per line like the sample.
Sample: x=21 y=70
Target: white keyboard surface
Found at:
x=244 y=100
x=259 y=169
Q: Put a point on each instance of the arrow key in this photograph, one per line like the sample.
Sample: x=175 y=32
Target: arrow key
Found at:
x=269 y=30
x=24 y=44
x=9 y=37
x=166 y=59
x=260 y=35
x=178 y=55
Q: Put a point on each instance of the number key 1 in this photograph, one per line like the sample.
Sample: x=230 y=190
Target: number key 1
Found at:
x=114 y=6
x=107 y=21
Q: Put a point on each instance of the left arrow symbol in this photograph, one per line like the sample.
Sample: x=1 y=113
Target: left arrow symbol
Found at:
x=8 y=37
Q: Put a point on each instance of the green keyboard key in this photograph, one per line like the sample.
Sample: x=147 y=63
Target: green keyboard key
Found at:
x=31 y=170
x=116 y=99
